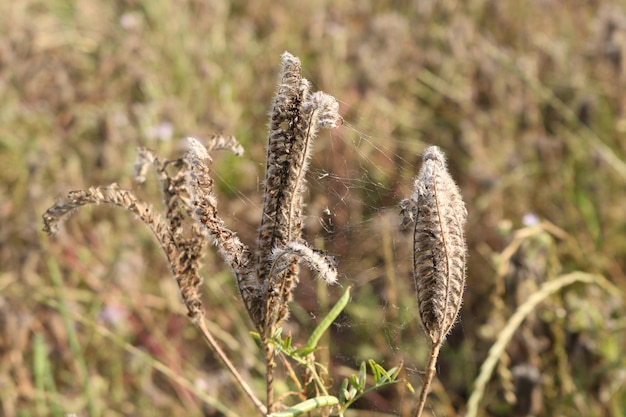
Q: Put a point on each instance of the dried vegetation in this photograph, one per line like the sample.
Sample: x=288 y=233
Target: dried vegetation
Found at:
x=524 y=97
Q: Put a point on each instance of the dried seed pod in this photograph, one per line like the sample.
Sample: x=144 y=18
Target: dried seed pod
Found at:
x=296 y=116
x=200 y=188
x=218 y=141
x=287 y=153
x=317 y=260
x=439 y=245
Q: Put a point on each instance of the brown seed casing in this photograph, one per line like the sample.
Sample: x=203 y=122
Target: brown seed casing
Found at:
x=296 y=116
x=439 y=245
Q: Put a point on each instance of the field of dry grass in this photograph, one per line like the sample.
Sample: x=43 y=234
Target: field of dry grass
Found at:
x=526 y=98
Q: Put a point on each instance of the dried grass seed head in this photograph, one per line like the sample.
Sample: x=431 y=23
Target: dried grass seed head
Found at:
x=280 y=220
x=218 y=141
x=295 y=118
x=319 y=261
x=204 y=210
x=439 y=245
x=325 y=109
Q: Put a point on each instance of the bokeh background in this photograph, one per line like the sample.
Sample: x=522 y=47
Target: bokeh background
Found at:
x=526 y=98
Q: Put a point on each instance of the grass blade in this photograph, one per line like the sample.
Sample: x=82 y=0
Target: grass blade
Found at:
x=516 y=320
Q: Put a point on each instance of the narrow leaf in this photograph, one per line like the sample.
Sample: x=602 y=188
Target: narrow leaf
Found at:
x=376 y=369
x=343 y=391
x=329 y=319
x=307 y=406
x=362 y=375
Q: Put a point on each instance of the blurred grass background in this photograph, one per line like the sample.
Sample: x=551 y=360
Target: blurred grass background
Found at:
x=525 y=97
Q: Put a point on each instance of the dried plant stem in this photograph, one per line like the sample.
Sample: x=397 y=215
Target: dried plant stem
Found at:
x=231 y=368
x=428 y=378
x=269 y=351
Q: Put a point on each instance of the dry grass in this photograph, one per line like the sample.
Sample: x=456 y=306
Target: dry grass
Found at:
x=524 y=98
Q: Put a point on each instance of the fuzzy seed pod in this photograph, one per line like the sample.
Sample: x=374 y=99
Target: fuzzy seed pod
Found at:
x=439 y=245
x=295 y=118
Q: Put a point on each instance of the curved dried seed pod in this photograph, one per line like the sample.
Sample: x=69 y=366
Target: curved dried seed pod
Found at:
x=439 y=246
x=219 y=141
x=317 y=260
x=200 y=188
x=184 y=269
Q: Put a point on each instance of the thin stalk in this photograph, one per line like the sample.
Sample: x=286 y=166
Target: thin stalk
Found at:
x=430 y=373
x=229 y=365
x=309 y=364
x=316 y=377
x=291 y=373
x=270 y=352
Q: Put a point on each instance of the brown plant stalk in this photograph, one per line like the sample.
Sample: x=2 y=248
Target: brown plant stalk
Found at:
x=295 y=117
x=439 y=251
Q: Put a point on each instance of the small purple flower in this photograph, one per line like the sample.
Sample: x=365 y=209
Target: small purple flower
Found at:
x=530 y=219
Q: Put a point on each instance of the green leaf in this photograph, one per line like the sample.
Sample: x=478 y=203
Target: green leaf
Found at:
x=393 y=373
x=277 y=333
x=376 y=370
x=307 y=406
x=343 y=391
x=362 y=375
x=382 y=376
x=329 y=319
x=303 y=351
x=286 y=343
x=410 y=387
x=354 y=382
